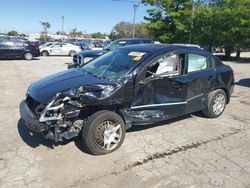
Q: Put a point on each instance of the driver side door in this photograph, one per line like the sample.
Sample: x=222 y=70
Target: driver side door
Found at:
x=162 y=93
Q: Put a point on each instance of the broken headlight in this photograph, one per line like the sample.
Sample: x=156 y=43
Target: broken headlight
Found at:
x=107 y=91
x=74 y=92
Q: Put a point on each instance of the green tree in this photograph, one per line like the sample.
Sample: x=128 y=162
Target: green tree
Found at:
x=97 y=35
x=169 y=21
x=223 y=23
x=215 y=22
x=12 y=33
x=75 y=33
x=125 y=30
x=46 y=26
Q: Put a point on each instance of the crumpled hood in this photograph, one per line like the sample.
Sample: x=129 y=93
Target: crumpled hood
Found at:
x=43 y=90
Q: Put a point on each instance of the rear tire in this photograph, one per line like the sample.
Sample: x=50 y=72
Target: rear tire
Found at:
x=103 y=132
x=217 y=101
x=45 y=53
x=28 y=56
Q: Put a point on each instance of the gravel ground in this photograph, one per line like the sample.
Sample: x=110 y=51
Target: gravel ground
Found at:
x=190 y=151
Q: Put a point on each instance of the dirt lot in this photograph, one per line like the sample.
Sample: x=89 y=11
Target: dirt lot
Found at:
x=190 y=151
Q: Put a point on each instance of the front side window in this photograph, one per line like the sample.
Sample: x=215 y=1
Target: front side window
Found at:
x=2 y=46
x=113 y=65
x=197 y=62
x=169 y=65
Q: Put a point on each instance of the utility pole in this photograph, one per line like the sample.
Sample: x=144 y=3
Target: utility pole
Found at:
x=62 y=24
x=191 y=24
x=135 y=7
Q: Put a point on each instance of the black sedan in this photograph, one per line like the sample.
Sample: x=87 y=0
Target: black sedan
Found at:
x=132 y=85
x=18 y=50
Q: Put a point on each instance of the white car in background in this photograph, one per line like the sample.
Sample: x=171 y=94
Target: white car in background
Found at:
x=60 y=48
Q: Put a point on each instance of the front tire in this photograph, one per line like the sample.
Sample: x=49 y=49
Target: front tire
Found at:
x=72 y=53
x=28 y=56
x=103 y=132
x=217 y=101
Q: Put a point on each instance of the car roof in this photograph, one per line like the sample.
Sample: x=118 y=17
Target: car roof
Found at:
x=150 y=48
x=134 y=39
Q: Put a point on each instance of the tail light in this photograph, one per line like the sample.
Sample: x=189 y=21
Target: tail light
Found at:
x=36 y=48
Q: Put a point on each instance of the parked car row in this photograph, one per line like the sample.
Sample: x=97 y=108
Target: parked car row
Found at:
x=24 y=49
x=28 y=50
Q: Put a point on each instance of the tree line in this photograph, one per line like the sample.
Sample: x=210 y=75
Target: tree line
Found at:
x=209 y=23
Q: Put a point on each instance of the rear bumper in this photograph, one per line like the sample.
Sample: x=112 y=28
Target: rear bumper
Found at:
x=36 y=54
x=30 y=119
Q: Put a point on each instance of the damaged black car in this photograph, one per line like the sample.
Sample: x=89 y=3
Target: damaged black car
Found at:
x=132 y=85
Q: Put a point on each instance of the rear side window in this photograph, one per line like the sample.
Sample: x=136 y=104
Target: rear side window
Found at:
x=197 y=62
x=19 y=44
x=6 y=44
x=147 y=42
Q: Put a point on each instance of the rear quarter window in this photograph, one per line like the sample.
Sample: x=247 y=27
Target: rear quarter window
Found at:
x=217 y=61
x=197 y=62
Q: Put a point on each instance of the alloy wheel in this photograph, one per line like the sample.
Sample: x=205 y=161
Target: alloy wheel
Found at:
x=219 y=104
x=108 y=135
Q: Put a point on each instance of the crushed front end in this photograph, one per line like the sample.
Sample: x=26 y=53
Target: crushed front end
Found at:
x=63 y=116
x=58 y=119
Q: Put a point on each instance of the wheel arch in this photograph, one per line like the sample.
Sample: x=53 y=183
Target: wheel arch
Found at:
x=44 y=51
x=121 y=111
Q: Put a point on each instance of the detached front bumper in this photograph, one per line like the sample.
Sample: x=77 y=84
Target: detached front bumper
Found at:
x=30 y=119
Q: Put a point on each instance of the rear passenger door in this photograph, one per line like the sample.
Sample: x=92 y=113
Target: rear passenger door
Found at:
x=18 y=49
x=3 y=51
x=7 y=50
x=55 y=49
x=201 y=76
x=65 y=49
